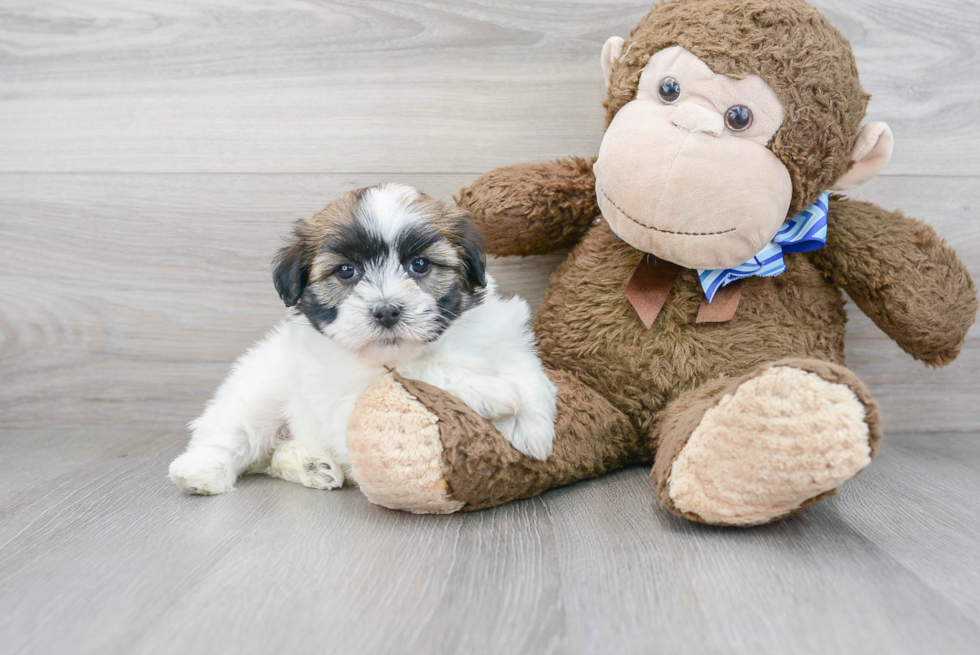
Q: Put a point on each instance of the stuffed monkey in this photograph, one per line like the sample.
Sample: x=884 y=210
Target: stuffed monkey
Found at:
x=698 y=322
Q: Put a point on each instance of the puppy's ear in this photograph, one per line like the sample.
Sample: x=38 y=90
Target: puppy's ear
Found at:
x=473 y=254
x=291 y=271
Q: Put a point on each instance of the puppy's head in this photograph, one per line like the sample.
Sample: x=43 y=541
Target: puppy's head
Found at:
x=383 y=270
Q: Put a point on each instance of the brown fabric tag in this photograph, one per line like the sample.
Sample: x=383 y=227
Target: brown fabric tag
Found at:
x=722 y=308
x=649 y=287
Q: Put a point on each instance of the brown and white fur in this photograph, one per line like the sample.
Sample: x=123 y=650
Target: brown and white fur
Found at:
x=384 y=277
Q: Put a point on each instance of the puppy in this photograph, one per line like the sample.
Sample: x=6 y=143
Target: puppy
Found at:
x=384 y=277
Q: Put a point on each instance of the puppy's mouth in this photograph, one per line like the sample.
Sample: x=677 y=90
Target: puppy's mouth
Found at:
x=392 y=337
x=388 y=340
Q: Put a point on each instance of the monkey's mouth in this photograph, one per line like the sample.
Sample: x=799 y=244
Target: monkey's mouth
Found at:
x=656 y=229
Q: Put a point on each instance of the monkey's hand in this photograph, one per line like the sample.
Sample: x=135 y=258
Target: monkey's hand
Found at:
x=902 y=275
x=533 y=209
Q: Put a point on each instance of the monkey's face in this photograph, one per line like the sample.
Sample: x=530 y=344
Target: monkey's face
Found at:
x=684 y=171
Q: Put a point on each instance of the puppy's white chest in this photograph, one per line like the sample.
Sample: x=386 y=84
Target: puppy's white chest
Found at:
x=326 y=383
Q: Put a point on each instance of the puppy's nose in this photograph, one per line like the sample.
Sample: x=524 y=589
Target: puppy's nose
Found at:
x=387 y=315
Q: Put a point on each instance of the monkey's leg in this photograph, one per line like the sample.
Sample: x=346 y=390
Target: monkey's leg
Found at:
x=414 y=447
x=756 y=449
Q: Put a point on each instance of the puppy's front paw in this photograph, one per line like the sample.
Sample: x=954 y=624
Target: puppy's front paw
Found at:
x=203 y=473
x=532 y=436
x=315 y=469
x=531 y=429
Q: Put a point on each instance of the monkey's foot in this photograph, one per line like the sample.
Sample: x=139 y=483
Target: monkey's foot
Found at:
x=395 y=450
x=757 y=449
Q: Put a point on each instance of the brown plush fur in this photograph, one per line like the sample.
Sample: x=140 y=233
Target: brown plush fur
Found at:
x=639 y=370
x=483 y=470
x=632 y=395
x=902 y=275
x=563 y=208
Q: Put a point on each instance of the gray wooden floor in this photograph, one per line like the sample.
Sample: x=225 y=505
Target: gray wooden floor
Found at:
x=151 y=155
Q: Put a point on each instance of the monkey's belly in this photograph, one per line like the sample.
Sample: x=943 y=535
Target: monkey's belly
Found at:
x=586 y=325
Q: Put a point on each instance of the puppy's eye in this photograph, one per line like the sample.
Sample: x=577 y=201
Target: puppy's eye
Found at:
x=738 y=118
x=670 y=90
x=346 y=272
x=419 y=266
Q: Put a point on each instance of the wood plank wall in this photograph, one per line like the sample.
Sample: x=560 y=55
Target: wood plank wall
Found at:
x=152 y=153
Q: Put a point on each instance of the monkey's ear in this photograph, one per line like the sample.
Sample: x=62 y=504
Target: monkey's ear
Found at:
x=612 y=50
x=871 y=152
x=292 y=272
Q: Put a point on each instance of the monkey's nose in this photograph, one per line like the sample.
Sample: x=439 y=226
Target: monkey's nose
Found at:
x=387 y=315
x=695 y=118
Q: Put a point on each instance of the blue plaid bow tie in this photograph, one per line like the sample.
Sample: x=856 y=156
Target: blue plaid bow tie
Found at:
x=804 y=232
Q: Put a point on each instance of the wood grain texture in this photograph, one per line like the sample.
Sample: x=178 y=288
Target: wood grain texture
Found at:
x=125 y=298
x=108 y=557
x=299 y=86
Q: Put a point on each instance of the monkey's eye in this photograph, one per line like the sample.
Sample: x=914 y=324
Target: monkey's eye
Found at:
x=346 y=272
x=670 y=90
x=419 y=266
x=738 y=118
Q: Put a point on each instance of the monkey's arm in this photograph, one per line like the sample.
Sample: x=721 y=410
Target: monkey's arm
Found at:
x=533 y=209
x=902 y=275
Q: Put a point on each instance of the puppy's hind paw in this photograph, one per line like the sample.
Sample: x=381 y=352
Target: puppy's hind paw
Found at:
x=310 y=468
x=324 y=474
